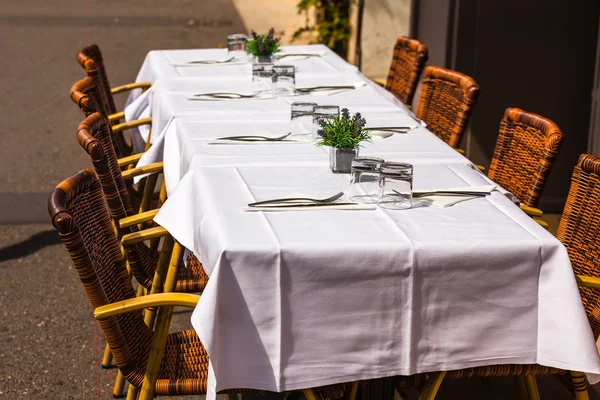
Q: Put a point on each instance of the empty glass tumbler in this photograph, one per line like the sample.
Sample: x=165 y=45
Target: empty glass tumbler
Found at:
x=323 y=112
x=284 y=80
x=395 y=185
x=262 y=76
x=364 y=186
x=302 y=113
x=236 y=42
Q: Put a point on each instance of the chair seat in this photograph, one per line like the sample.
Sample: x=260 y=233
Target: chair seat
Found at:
x=504 y=370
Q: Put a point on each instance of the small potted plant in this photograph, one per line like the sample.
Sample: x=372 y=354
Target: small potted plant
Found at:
x=344 y=135
x=263 y=47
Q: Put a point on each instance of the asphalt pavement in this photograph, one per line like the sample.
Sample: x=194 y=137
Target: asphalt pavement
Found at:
x=50 y=345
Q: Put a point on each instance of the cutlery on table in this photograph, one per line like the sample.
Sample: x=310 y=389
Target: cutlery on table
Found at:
x=295 y=201
x=299 y=55
x=391 y=128
x=210 y=61
x=448 y=193
x=229 y=95
x=324 y=88
x=255 y=138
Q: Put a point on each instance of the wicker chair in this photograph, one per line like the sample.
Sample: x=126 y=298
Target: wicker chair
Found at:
x=578 y=231
x=79 y=213
x=90 y=58
x=408 y=62
x=94 y=136
x=87 y=96
x=527 y=147
x=447 y=99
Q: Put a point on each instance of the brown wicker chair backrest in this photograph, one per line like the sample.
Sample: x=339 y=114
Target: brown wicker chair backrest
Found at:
x=87 y=95
x=408 y=62
x=447 y=99
x=526 y=149
x=90 y=58
x=93 y=135
x=79 y=213
x=579 y=230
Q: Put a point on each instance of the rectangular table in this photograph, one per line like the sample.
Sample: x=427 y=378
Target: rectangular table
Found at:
x=301 y=299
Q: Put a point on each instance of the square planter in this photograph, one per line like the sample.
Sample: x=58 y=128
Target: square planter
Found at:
x=340 y=160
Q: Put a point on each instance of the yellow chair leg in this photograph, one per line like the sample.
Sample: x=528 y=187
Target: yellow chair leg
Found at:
x=132 y=393
x=119 y=385
x=580 y=385
x=309 y=394
x=163 y=320
x=522 y=387
x=432 y=387
x=107 y=358
x=149 y=187
x=162 y=196
x=159 y=277
x=352 y=391
x=532 y=388
x=148 y=144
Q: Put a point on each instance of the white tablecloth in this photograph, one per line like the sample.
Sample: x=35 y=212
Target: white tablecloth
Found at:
x=186 y=144
x=167 y=64
x=301 y=299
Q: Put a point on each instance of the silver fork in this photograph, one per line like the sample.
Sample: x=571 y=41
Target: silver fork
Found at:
x=297 y=199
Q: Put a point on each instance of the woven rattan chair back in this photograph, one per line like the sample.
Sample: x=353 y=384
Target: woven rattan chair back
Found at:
x=447 y=99
x=526 y=149
x=579 y=230
x=408 y=62
x=79 y=213
x=93 y=135
x=87 y=95
x=90 y=58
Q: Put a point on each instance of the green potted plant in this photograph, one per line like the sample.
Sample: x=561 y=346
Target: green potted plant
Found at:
x=263 y=46
x=343 y=134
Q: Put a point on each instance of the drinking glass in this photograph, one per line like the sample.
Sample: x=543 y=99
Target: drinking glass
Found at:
x=395 y=185
x=262 y=76
x=320 y=113
x=236 y=42
x=302 y=113
x=284 y=80
x=364 y=186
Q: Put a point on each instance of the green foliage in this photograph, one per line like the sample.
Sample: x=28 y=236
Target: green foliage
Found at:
x=264 y=44
x=343 y=131
x=334 y=28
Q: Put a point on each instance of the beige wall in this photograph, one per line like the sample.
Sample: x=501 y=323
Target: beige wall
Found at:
x=383 y=21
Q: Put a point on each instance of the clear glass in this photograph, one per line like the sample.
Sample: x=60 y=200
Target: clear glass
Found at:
x=302 y=113
x=284 y=80
x=323 y=112
x=364 y=186
x=237 y=42
x=262 y=76
x=395 y=185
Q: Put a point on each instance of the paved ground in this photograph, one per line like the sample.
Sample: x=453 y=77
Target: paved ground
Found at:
x=49 y=342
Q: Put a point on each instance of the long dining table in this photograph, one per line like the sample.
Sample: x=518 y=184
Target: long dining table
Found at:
x=305 y=298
